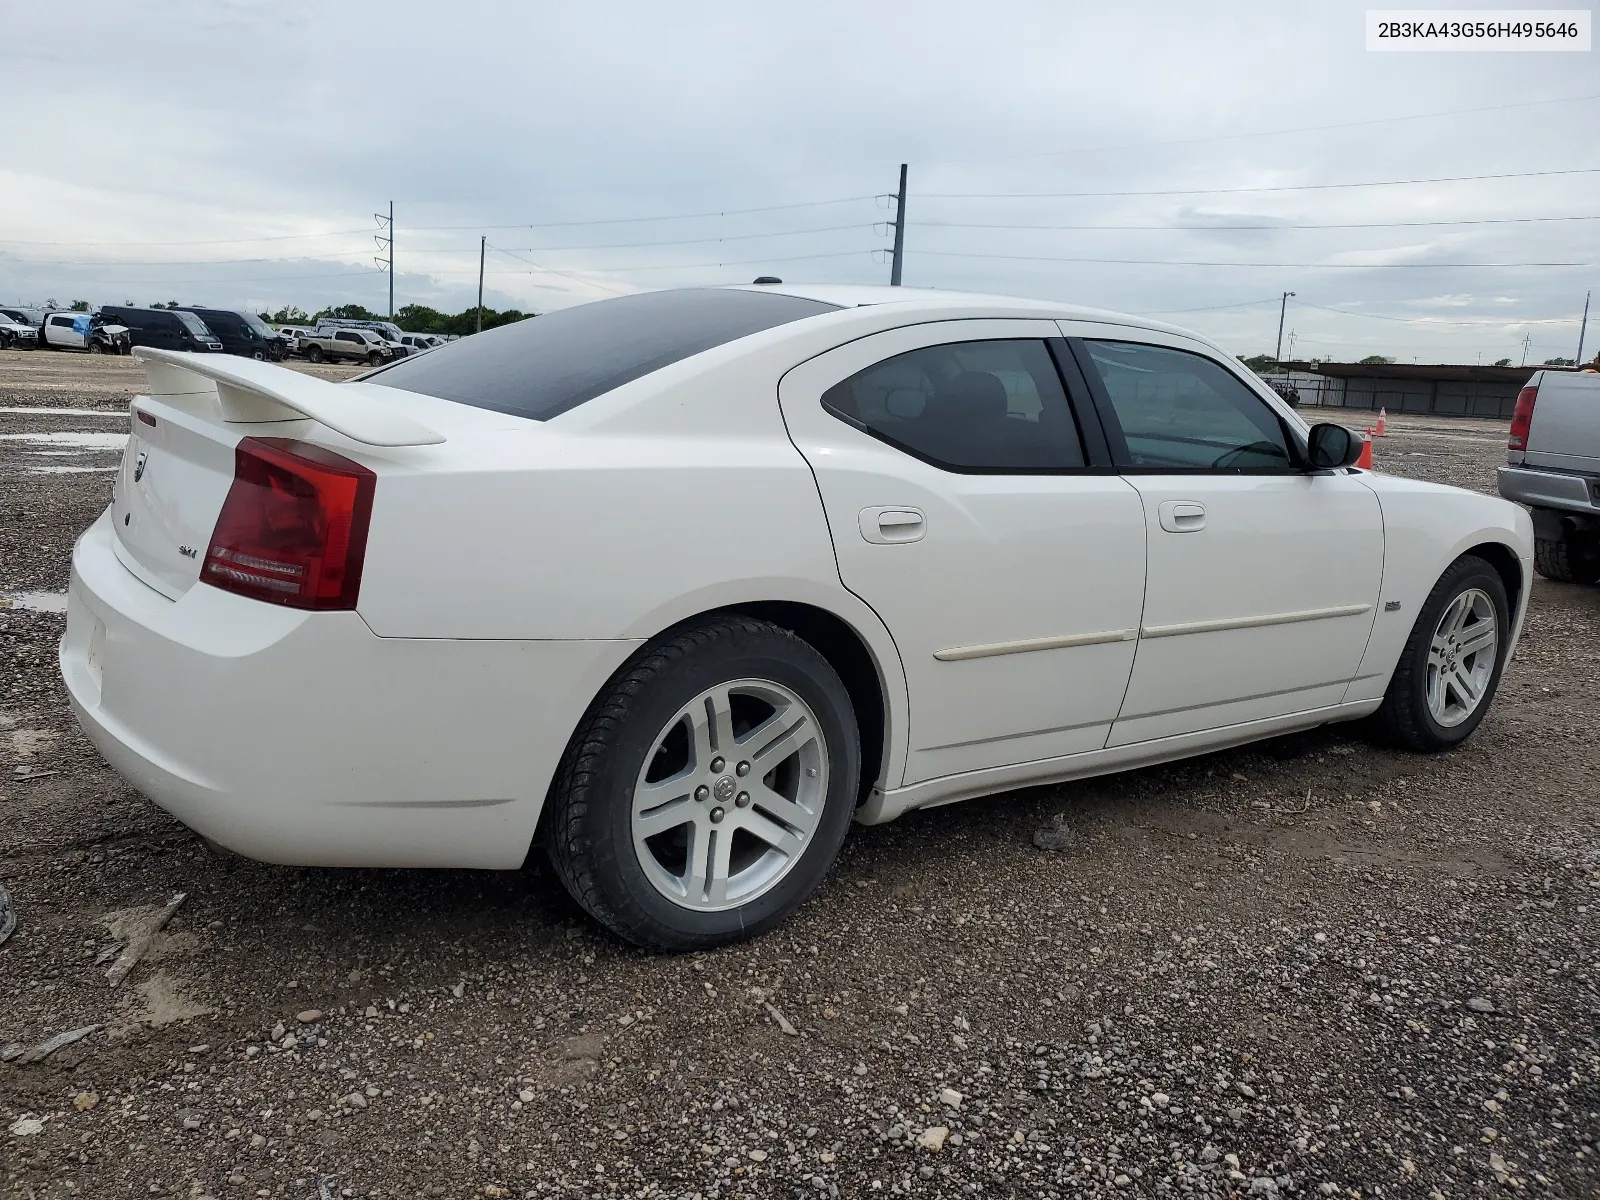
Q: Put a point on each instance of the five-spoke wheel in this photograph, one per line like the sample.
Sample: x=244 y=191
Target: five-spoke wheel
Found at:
x=709 y=788
x=1451 y=663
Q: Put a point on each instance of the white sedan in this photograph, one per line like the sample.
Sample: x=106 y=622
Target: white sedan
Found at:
x=680 y=583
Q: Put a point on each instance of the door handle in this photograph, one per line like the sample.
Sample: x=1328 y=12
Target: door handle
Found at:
x=1182 y=516
x=885 y=526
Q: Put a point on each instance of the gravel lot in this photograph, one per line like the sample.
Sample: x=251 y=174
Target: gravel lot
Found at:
x=1306 y=967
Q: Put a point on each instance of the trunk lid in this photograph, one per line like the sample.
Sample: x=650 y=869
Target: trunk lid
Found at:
x=179 y=463
x=174 y=477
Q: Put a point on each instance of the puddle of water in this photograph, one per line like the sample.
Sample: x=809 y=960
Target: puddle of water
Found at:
x=26 y=410
x=73 y=440
x=51 y=602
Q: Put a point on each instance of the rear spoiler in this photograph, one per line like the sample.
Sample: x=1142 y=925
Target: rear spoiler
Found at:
x=249 y=391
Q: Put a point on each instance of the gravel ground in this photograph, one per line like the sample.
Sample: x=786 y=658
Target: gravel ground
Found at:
x=1306 y=967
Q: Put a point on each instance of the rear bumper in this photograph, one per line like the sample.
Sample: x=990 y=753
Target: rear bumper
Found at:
x=303 y=738
x=1550 y=489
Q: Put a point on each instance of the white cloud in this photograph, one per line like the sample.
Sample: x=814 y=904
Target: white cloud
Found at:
x=249 y=121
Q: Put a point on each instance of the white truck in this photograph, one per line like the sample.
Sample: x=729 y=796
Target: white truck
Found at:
x=336 y=345
x=1553 y=467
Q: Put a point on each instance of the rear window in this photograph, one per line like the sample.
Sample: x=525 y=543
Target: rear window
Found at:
x=543 y=366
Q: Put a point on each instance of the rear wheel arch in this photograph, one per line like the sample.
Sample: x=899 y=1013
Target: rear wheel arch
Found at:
x=848 y=654
x=844 y=647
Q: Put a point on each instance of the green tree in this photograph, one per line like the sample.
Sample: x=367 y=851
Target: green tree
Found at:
x=1501 y=362
x=80 y=306
x=1259 y=362
x=289 y=314
x=1376 y=360
x=1558 y=362
x=346 y=312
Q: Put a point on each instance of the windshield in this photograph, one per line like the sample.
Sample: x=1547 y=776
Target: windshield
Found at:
x=27 y=316
x=542 y=366
x=256 y=323
x=194 y=325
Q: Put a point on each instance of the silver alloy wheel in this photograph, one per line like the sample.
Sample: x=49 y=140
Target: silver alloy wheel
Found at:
x=1461 y=657
x=730 y=794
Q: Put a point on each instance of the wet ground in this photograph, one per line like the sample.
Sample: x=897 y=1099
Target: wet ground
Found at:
x=1308 y=967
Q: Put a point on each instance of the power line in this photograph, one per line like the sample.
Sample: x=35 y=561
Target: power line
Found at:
x=276 y=237
x=1233 y=137
x=726 y=212
x=1444 y=320
x=735 y=237
x=1299 y=187
x=1207 y=228
x=119 y=281
x=1159 y=312
x=550 y=270
x=741 y=262
x=1164 y=262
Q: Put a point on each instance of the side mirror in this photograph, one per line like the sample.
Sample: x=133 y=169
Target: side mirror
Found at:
x=1331 y=446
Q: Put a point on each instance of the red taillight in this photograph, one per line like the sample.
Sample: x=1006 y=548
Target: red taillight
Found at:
x=1521 y=418
x=293 y=529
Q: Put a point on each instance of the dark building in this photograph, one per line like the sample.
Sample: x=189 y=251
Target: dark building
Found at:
x=1442 y=390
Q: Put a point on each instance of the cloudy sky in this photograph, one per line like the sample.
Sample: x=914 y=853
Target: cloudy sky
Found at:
x=1154 y=157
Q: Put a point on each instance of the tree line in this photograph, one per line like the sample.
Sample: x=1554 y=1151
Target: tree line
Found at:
x=413 y=318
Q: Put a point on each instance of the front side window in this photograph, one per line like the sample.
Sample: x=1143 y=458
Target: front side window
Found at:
x=345 y=337
x=993 y=406
x=1182 y=411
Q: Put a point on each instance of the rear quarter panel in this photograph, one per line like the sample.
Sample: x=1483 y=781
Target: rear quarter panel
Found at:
x=1427 y=527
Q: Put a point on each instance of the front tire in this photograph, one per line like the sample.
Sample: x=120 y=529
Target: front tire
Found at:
x=314 y=354
x=1450 y=668
x=374 y=359
x=96 y=348
x=1574 y=558
x=707 y=791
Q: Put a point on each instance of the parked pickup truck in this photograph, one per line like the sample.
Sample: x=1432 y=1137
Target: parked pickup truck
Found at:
x=331 y=345
x=1553 y=466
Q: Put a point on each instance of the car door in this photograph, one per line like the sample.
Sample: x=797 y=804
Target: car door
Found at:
x=1005 y=558
x=1263 y=575
x=63 y=334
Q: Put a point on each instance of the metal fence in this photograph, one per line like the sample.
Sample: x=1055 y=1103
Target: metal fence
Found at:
x=1432 y=397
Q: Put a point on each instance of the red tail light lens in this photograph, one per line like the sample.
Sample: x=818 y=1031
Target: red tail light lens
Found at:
x=1521 y=418
x=293 y=529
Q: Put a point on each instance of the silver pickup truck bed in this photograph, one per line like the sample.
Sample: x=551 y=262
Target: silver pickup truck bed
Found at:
x=1553 y=467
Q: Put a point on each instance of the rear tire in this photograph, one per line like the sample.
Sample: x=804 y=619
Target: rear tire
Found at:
x=1437 y=662
x=782 y=818
x=1571 y=559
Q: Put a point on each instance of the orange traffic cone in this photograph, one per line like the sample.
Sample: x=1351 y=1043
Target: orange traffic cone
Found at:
x=1366 y=450
x=1383 y=422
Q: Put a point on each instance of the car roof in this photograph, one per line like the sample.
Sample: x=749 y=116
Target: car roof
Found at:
x=946 y=302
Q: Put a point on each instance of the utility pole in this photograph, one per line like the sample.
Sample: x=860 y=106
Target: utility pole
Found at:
x=899 y=230
x=1583 y=328
x=387 y=243
x=1283 y=307
x=1527 y=340
x=483 y=244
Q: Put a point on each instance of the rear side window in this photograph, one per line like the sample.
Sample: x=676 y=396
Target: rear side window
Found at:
x=543 y=366
x=1181 y=411
x=993 y=406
